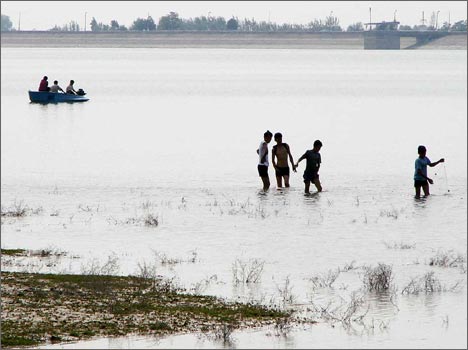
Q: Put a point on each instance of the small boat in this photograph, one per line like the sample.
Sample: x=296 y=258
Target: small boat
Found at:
x=54 y=97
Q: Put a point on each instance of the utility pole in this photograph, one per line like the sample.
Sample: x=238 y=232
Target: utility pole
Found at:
x=423 y=20
x=85 y=20
x=449 y=21
x=437 y=19
x=370 y=18
x=394 y=16
x=19 y=22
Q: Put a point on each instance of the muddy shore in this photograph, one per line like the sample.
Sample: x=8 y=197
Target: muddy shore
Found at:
x=39 y=308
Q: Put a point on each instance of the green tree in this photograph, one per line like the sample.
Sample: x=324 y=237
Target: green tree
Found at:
x=114 y=25
x=94 y=25
x=405 y=27
x=232 y=24
x=73 y=26
x=332 y=24
x=6 y=23
x=459 y=26
x=444 y=28
x=142 y=24
x=170 y=22
x=355 y=27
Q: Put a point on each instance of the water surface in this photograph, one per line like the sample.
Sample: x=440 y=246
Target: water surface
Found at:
x=173 y=133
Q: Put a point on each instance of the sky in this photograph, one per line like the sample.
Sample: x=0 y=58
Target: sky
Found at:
x=43 y=15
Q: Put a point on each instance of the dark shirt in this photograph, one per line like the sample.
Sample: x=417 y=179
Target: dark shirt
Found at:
x=43 y=85
x=313 y=161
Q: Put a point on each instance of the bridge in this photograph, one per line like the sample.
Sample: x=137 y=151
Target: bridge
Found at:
x=390 y=39
x=386 y=36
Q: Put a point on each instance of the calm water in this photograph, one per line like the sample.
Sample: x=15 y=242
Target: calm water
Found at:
x=173 y=133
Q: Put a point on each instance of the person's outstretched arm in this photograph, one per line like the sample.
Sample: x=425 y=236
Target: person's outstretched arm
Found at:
x=441 y=160
x=300 y=159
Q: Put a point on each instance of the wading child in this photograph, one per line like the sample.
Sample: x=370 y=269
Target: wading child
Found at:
x=312 y=167
x=281 y=152
x=262 y=167
x=420 y=172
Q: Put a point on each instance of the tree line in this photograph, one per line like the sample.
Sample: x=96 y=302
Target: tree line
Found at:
x=172 y=21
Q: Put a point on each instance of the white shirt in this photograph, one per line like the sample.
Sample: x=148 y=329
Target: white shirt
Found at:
x=55 y=88
x=261 y=153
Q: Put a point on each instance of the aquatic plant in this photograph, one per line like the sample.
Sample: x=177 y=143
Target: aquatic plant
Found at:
x=18 y=209
x=224 y=333
x=201 y=286
x=109 y=267
x=151 y=220
x=348 y=266
x=346 y=312
x=283 y=326
x=146 y=270
x=448 y=258
x=325 y=281
x=285 y=293
x=378 y=278
x=400 y=245
x=427 y=283
x=247 y=271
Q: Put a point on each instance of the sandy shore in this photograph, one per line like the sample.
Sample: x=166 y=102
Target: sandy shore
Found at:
x=342 y=40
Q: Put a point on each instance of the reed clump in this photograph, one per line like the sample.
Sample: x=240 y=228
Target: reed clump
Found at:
x=378 y=278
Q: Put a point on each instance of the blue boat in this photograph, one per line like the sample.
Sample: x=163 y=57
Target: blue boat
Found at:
x=54 y=97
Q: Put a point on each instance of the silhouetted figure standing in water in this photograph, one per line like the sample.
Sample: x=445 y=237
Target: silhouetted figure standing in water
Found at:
x=263 y=160
x=281 y=151
x=420 y=172
x=312 y=167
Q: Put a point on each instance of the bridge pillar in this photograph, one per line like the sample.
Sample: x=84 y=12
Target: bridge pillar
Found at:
x=381 y=40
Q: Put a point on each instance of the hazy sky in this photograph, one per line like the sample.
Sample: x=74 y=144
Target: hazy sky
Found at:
x=43 y=15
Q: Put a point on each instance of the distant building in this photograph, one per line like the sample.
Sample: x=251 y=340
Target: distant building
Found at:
x=384 y=25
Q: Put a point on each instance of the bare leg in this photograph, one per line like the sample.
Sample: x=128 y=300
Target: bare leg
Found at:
x=317 y=184
x=266 y=183
x=426 y=190
x=418 y=192
x=306 y=187
x=279 y=181
x=286 y=181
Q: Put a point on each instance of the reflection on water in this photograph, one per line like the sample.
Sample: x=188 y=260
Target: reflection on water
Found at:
x=173 y=133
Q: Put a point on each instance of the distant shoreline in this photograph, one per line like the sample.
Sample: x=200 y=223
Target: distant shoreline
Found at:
x=240 y=40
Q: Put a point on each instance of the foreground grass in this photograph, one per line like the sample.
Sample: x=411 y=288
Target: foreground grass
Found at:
x=38 y=308
x=14 y=252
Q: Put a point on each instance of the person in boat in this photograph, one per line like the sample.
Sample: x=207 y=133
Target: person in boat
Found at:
x=314 y=160
x=56 y=87
x=282 y=152
x=420 y=172
x=70 y=89
x=44 y=84
x=262 y=167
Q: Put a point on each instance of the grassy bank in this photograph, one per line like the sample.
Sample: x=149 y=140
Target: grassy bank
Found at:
x=38 y=308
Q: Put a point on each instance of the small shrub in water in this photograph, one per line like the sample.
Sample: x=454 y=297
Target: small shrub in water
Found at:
x=150 y=220
x=447 y=259
x=427 y=284
x=378 y=278
x=325 y=281
x=224 y=333
x=247 y=272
